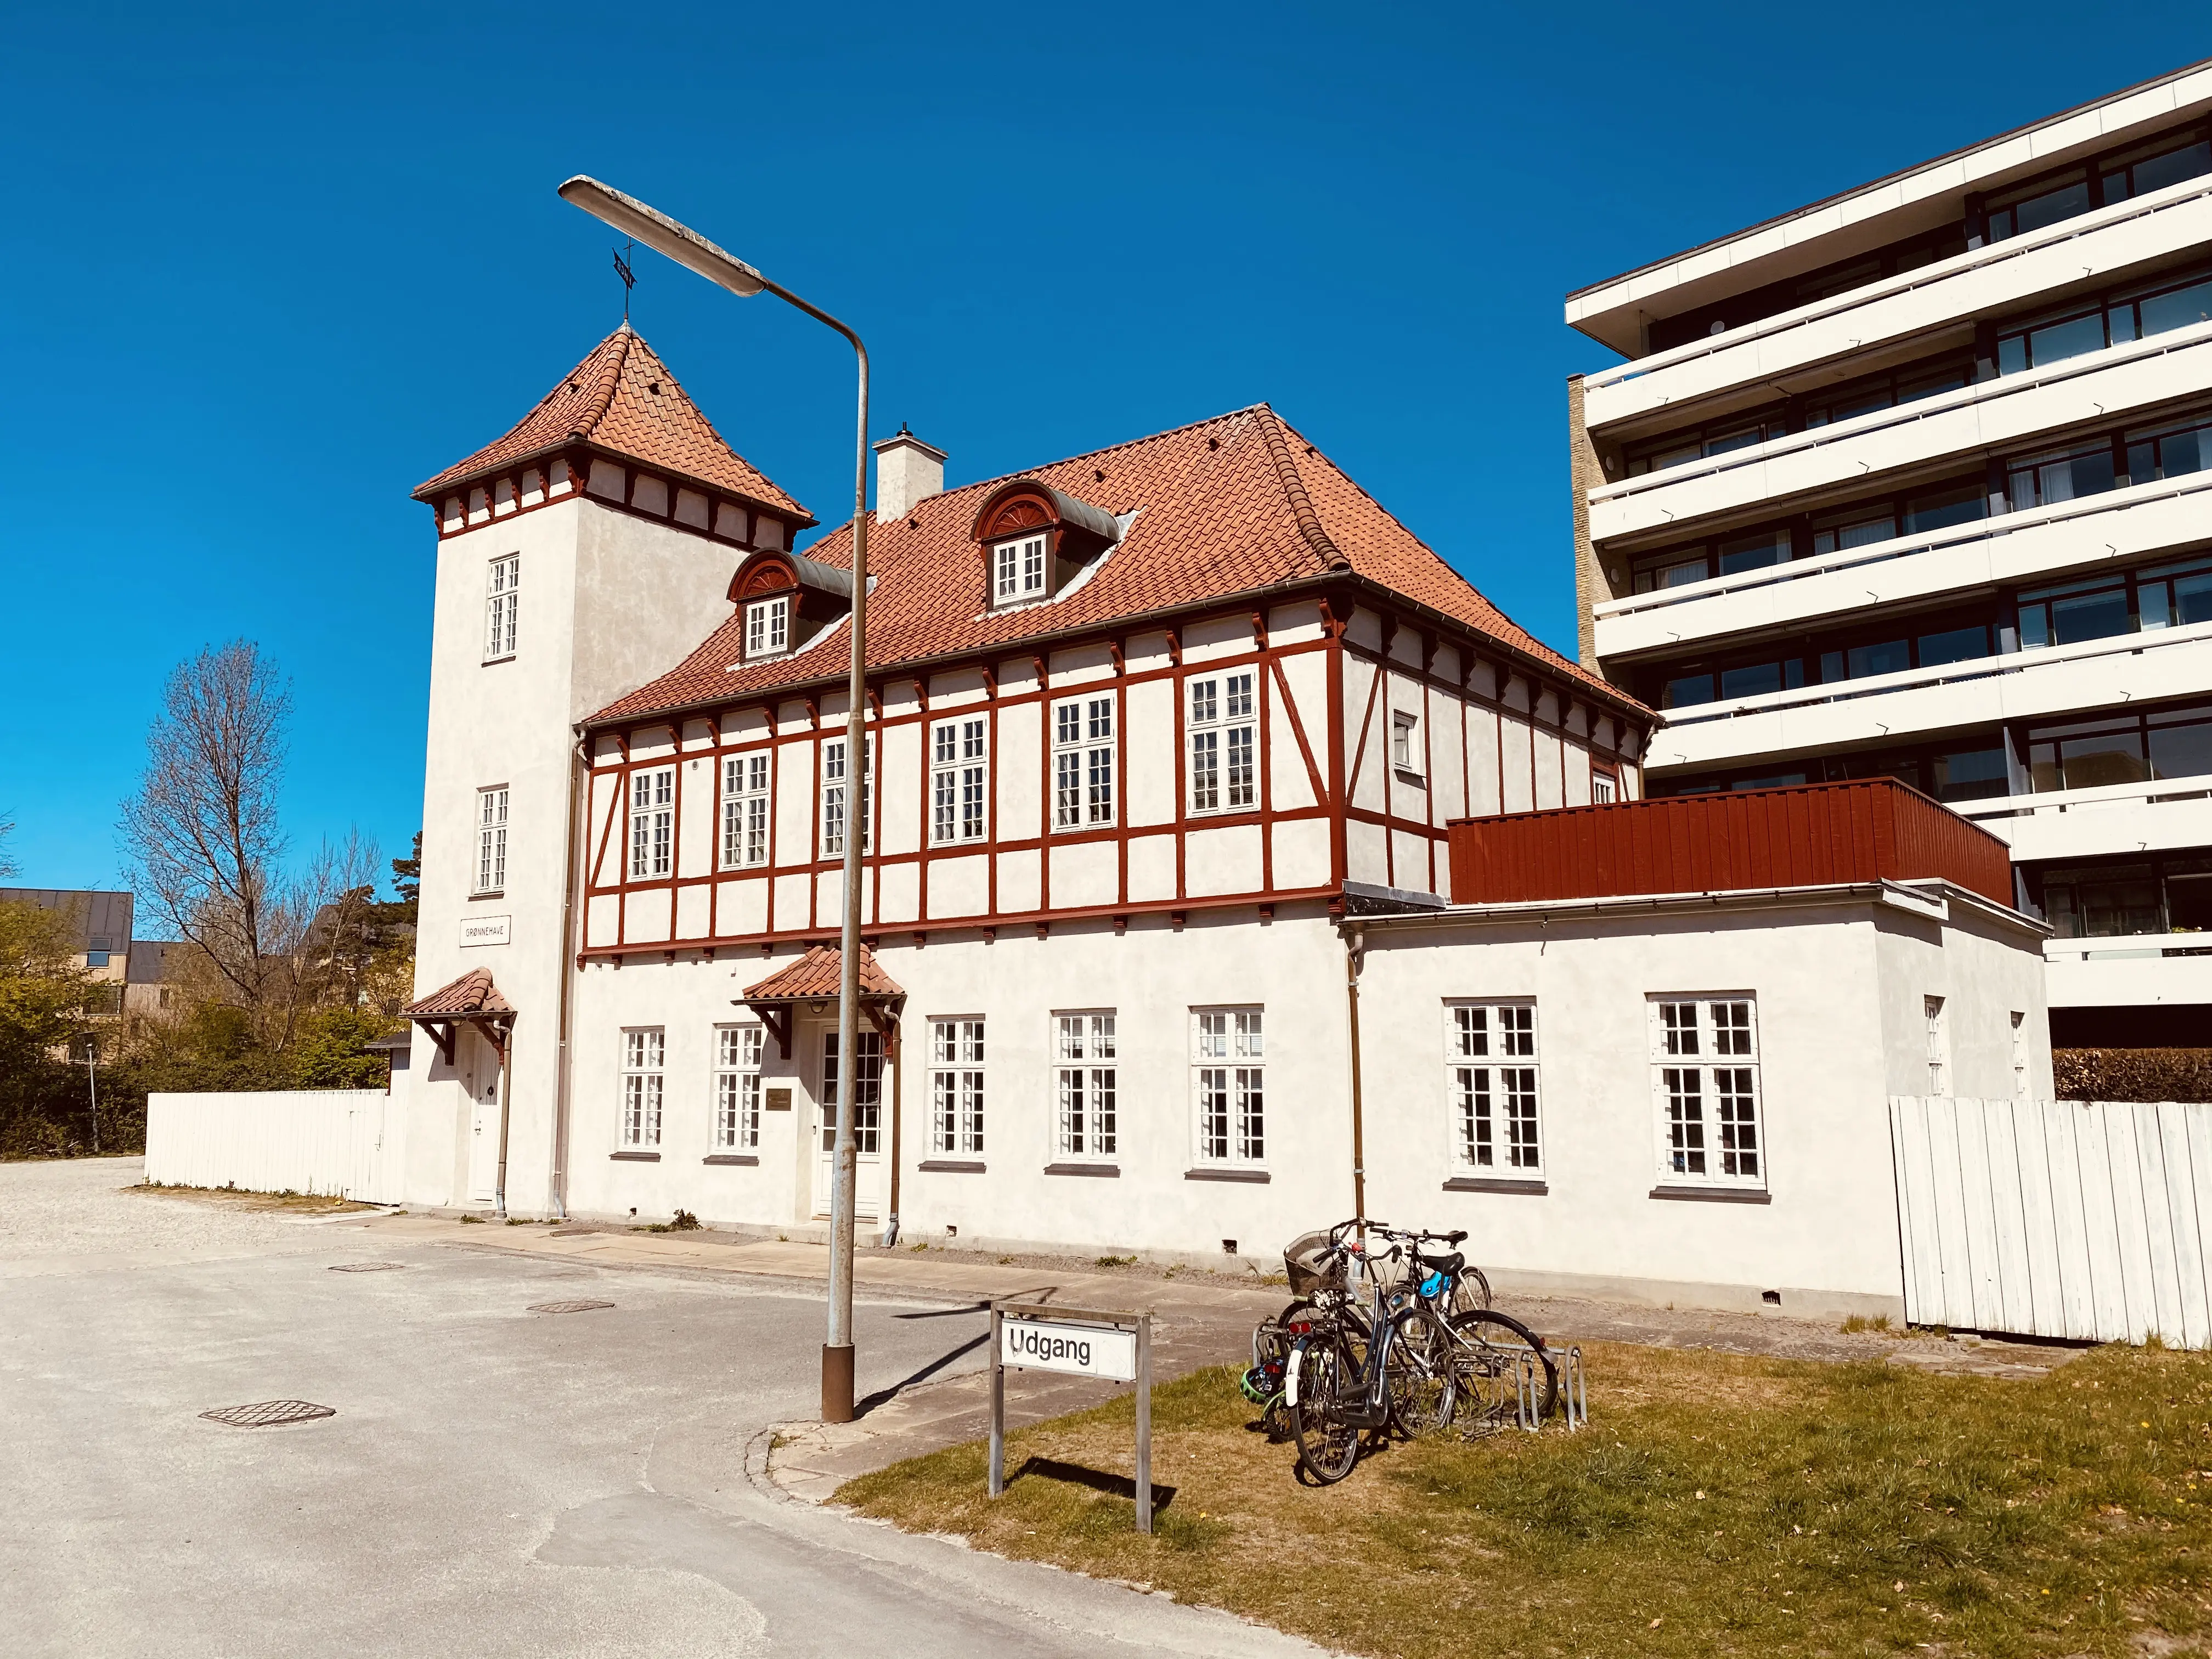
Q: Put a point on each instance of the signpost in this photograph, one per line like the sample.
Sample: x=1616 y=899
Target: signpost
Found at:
x=1042 y=1336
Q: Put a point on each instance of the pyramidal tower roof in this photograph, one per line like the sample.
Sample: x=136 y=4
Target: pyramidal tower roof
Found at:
x=622 y=399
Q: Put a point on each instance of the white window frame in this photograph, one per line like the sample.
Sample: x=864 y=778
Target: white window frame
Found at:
x=746 y=779
x=1711 y=1118
x=1229 y=1086
x=491 y=840
x=1938 y=1029
x=1083 y=750
x=960 y=780
x=958 y=1084
x=833 y=794
x=502 y=594
x=1404 y=736
x=737 y=1051
x=1222 y=737
x=768 y=627
x=1495 y=1086
x=1605 y=788
x=644 y=1073
x=2019 y=1083
x=1019 y=569
x=653 y=823
x=1086 y=1076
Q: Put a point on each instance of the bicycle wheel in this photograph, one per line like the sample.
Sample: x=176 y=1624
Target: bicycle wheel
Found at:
x=1326 y=1376
x=1488 y=1349
x=1419 y=1372
x=1471 y=1293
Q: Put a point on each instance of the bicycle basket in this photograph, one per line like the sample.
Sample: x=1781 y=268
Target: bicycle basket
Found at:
x=1302 y=1263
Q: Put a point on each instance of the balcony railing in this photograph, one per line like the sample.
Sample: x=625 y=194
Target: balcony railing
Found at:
x=2008 y=664
x=1930 y=277
x=2127 y=947
x=2157 y=815
x=2151 y=792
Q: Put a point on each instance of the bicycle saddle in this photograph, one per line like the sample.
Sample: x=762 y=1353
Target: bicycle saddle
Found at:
x=1445 y=1264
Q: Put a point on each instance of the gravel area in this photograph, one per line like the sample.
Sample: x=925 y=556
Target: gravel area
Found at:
x=85 y=1209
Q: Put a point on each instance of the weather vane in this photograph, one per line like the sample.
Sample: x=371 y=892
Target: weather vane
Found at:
x=629 y=277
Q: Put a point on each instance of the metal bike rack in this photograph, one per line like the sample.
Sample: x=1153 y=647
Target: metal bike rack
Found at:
x=1573 y=1402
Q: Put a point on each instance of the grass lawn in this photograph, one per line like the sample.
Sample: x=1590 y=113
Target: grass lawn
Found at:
x=1716 y=1505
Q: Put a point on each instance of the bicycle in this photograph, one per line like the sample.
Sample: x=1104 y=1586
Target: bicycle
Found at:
x=1354 y=1373
x=1484 y=1350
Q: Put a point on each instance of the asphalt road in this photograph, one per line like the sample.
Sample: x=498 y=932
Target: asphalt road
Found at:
x=495 y=1481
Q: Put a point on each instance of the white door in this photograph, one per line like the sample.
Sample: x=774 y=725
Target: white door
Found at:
x=868 y=1128
x=483 y=1136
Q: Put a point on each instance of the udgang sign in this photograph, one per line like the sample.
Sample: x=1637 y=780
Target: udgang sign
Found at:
x=1111 y=1345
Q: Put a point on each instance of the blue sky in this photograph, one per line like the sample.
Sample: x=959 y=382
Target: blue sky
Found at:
x=266 y=270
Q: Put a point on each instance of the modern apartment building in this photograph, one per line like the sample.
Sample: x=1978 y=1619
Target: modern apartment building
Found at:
x=1916 y=481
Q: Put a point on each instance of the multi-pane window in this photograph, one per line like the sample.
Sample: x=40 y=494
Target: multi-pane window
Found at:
x=745 y=810
x=491 y=840
x=959 y=779
x=867 y=1093
x=2134 y=316
x=502 y=588
x=1939 y=1046
x=651 y=822
x=1082 y=763
x=2175 y=595
x=1705 y=1081
x=1603 y=787
x=1490 y=1056
x=956 y=1086
x=1020 y=566
x=644 y=1053
x=1223 y=735
x=737 y=1086
x=1084 y=1063
x=834 y=783
x=1229 y=1082
x=768 y=627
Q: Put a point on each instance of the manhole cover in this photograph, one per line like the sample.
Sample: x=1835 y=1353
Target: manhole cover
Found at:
x=568 y=1307
x=270 y=1414
x=366 y=1266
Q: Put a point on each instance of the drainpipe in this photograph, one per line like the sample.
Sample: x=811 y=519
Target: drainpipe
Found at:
x=559 y=1198
x=898 y=1072
x=1355 y=949
x=505 y=1106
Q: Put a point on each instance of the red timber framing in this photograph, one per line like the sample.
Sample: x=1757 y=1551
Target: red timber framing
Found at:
x=902 y=698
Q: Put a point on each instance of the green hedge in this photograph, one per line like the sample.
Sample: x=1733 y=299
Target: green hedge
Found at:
x=2132 y=1073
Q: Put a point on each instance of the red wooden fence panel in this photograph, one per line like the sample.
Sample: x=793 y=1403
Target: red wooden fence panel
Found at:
x=1798 y=836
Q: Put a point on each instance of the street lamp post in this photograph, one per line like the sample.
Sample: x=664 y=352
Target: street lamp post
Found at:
x=695 y=253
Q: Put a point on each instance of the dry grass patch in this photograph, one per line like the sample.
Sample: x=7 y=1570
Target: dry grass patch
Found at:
x=232 y=1198
x=1717 y=1505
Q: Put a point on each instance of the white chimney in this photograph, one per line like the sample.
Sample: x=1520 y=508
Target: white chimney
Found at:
x=908 y=470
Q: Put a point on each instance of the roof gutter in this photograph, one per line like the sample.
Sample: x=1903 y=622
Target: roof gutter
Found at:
x=1297 y=584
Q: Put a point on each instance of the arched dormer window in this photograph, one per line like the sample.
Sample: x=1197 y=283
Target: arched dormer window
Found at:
x=1035 y=540
x=786 y=600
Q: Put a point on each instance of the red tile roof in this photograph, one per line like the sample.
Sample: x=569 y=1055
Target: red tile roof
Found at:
x=816 y=974
x=1228 y=506
x=623 y=400
x=473 y=992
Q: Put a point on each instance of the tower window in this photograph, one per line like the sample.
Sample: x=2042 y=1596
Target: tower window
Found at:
x=502 y=587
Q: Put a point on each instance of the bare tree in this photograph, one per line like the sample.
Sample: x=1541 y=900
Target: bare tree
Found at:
x=203 y=834
x=7 y=861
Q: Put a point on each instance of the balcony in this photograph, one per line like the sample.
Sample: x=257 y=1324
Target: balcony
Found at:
x=2128 y=972
x=2106 y=387
x=2174 y=662
x=1984 y=281
x=2159 y=815
x=2141 y=521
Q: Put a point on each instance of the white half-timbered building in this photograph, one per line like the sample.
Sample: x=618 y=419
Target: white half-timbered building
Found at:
x=1149 y=729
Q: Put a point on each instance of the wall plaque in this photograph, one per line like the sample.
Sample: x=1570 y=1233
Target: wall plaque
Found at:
x=487 y=930
x=779 y=1100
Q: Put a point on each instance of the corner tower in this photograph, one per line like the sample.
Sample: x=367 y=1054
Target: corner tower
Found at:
x=576 y=554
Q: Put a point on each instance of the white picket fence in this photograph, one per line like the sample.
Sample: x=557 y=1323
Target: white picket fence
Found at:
x=2089 y=1220
x=341 y=1142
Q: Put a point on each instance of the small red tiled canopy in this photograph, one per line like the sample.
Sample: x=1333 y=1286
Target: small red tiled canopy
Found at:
x=814 y=978
x=471 y=999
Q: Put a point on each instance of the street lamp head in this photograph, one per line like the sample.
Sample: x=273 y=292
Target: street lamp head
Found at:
x=663 y=235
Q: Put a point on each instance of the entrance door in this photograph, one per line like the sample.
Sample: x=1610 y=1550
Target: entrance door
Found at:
x=483 y=1136
x=867 y=1127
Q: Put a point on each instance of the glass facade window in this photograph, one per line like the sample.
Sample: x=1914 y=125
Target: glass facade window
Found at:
x=2173 y=595
x=2121 y=749
x=2063 y=475
x=1682 y=447
x=2133 y=316
x=2169 y=452
x=1881 y=391
x=1754 y=552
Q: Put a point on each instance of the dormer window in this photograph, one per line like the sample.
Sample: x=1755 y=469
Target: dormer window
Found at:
x=768 y=627
x=1036 y=541
x=1021 y=565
